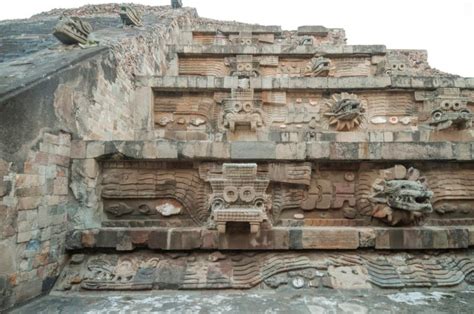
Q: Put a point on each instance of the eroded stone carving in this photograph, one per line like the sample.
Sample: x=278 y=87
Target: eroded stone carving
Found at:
x=447 y=108
x=243 y=110
x=134 y=189
x=451 y=113
x=72 y=30
x=318 y=66
x=346 y=112
x=130 y=16
x=130 y=273
x=238 y=195
x=147 y=270
x=401 y=196
x=244 y=65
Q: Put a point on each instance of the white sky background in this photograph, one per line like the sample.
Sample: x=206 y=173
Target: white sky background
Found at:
x=443 y=27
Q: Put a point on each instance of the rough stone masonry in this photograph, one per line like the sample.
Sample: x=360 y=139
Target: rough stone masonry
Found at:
x=147 y=148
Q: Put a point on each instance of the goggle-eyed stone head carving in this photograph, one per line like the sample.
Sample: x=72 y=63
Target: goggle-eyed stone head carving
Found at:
x=451 y=113
x=242 y=112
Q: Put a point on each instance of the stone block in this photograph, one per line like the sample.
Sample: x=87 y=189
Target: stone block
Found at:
x=253 y=150
x=61 y=186
x=8 y=264
x=158 y=239
x=184 y=239
x=43 y=216
x=351 y=137
x=209 y=239
x=28 y=290
x=166 y=150
x=291 y=151
x=422 y=238
x=24 y=236
x=319 y=150
x=139 y=237
x=29 y=202
x=95 y=149
x=330 y=238
x=263 y=240
x=419 y=151
x=106 y=238
x=89 y=238
x=315 y=30
x=205 y=150
x=124 y=241
x=344 y=151
x=91 y=168
x=74 y=240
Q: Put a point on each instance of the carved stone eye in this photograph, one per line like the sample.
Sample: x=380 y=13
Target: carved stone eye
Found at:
x=231 y=194
x=248 y=67
x=247 y=107
x=217 y=204
x=401 y=67
x=259 y=203
x=237 y=106
x=247 y=194
x=446 y=105
x=456 y=106
x=437 y=115
x=240 y=67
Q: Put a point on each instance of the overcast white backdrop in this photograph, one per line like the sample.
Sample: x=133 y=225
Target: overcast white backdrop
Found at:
x=443 y=27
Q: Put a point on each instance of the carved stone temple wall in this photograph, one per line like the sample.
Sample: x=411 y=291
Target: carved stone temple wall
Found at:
x=169 y=151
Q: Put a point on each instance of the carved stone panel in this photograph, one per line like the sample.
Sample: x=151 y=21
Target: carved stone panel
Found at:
x=446 y=109
x=239 y=195
x=167 y=192
x=294 y=270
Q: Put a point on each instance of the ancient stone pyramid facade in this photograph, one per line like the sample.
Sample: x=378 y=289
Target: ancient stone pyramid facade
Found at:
x=186 y=153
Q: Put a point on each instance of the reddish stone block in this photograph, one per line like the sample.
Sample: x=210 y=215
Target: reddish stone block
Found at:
x=139 y=237
x=88 y=239
x=330 y=238
x=422 y=238
x=158 y=239
x=184 y=239
x=210 y=239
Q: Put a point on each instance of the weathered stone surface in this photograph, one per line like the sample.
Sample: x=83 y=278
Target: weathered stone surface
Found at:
x=187 y=135
x=426 y=238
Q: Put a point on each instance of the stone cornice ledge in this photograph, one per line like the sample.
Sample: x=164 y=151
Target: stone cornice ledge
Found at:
x=192 y=82
x=281 y=49
x=272 y=151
